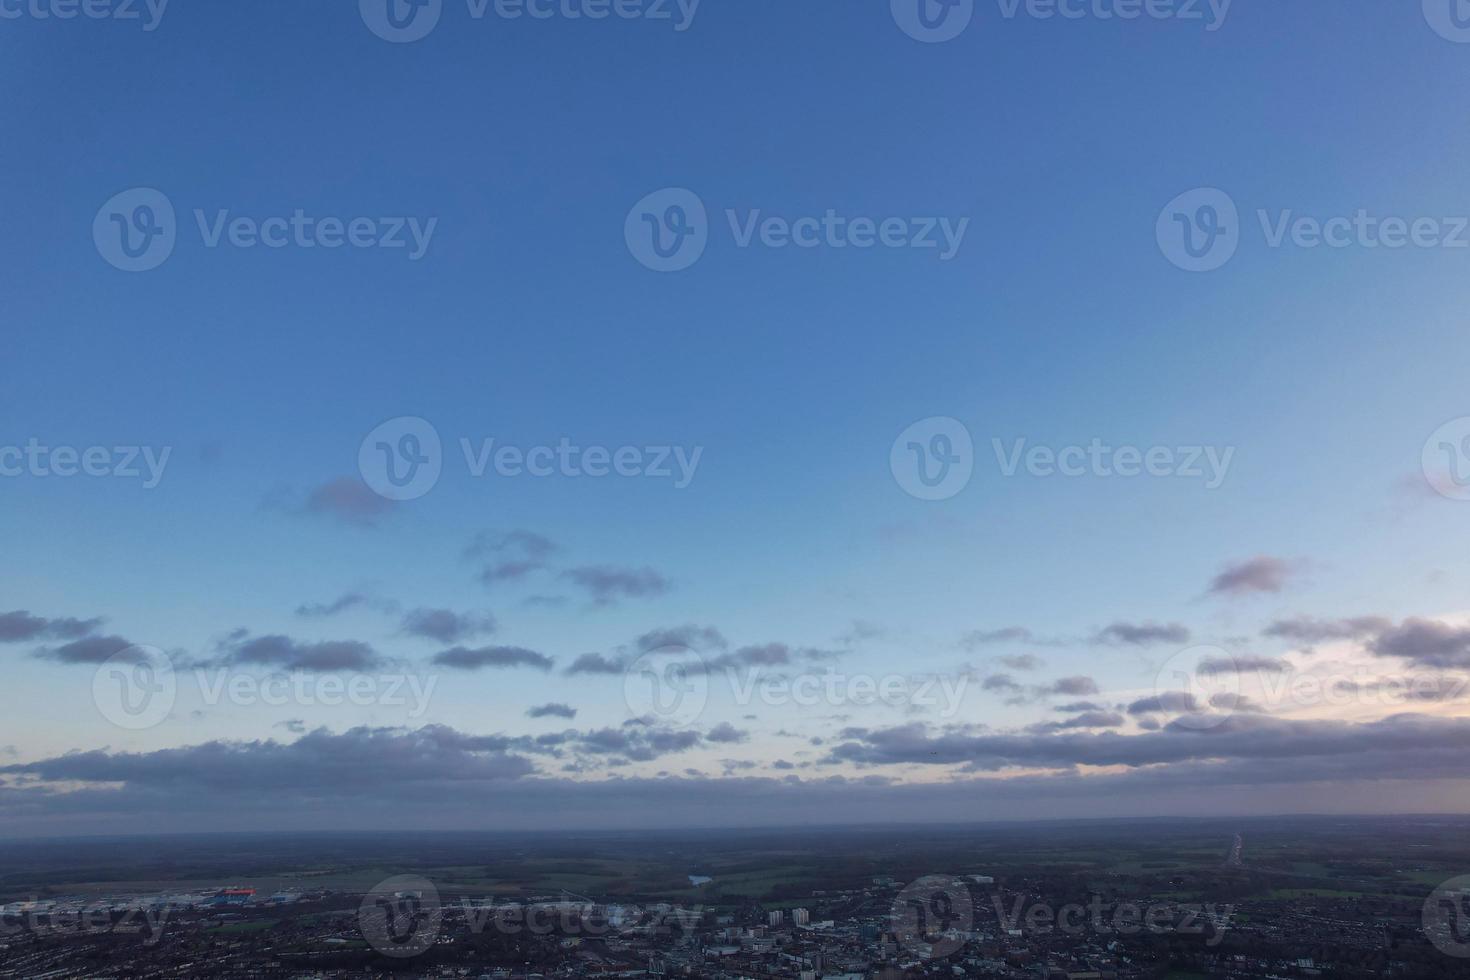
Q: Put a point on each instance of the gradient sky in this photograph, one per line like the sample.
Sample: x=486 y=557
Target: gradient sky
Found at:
x=528 y=321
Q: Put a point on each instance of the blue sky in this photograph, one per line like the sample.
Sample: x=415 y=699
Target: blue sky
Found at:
x=528 y=320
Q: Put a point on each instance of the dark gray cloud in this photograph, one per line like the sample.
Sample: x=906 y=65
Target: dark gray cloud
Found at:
x=1255 y=575
x=463 y=658
x=596 y=663
x=1077 y=706
x=20 y=626
x=344 y=602
x=282 y=652
x=1087 y=719
x=1004 y=683
x=975 y=639
x=606 y=584
x=1242 y=737
x=506 y=556
x=700 y=638
x=1142 y=634
x=87 y=650
x=727 y=733
x=1025 y=661
x=1071 y=687
x=1027 y=694
x=446 y=625
x=447 y=786
x=1304 y=629
x=553 y=710
x=350 y=500
x=860 y=631
x=1425 y=643
x=1243 y=664
x=362 y=761
x=1173 y=702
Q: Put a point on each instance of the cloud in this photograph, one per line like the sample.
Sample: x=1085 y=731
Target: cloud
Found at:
x=344 y=602
x=88 y=650
x=20 y=626
x=1252 y=738
x=596 y=663
x=1176 y=702
x=1239 y=665
x=1088 y=719
x=606 y=584
x=1076 y=706
x=1142 y=634
x=1001 y=682
x=975 y=639
x=1070 y=686
x=860 y=631
x=447 y=626
x=509 y=555
x=1425 y=643
x=701 y=638
x=1255 y=575
x=553 y=710
x=349 y=500
x=1305 y=629
x=1025 y=661
x=462 y=658
x=275 y=650
x=727 y=733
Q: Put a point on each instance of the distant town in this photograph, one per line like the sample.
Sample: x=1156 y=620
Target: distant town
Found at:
x=1044 y=923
